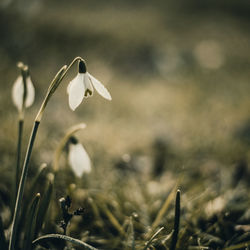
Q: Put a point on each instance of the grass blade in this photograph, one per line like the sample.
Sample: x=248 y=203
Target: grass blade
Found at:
x=163 y=210
x=3 y=243
x=176 y=220
x=18 y=160
x=44 y=204
x=113 y=220
x=152 y=238
x=33 y=187
x=64 y=238
x=31 y=222
x=36 y=180
x=239 y=246
x=131 y=235
x=21 y=186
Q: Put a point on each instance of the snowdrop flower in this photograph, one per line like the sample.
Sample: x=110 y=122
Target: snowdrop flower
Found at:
x=78 y=158
x=23 y=92
x=83 y=85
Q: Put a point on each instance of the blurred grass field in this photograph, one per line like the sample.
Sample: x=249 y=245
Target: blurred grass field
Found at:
x=179 y=77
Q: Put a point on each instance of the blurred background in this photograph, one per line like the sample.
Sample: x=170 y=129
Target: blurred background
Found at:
x=178 y=73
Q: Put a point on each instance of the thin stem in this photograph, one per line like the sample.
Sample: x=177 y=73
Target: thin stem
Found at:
x=19 y=148
x=18 y=160
x=61 y=74
x=52 y=88
x=21 y=186
x=54 y=85
x=63 y=142
x=71 y=64
x=24 y=73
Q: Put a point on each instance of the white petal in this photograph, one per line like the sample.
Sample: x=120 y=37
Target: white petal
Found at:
x=17 y=93
x=30 y=93
x=100 y=88
x=79 y=159
x=76 y=91
x=88 y=86
x=68 y=87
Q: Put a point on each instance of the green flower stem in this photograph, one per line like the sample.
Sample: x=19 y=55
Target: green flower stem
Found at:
x=24 y=73
x=19 y=148
x=71 y=64
x=21 y=186
x=54 y=85
x=18 y=160
x=52 y=88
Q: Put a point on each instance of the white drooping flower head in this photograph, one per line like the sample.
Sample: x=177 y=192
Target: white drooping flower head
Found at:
x=83 y=85
x=78 y=158
x=23 y=92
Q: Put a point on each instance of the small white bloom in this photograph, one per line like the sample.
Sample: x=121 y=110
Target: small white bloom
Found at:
x=18 y=92
x=83 y=85
x=78 y=158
